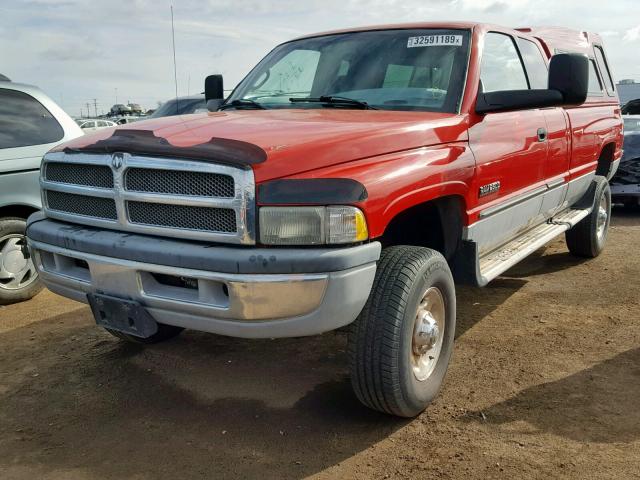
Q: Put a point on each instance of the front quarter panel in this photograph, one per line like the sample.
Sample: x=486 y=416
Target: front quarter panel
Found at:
x=396 y=182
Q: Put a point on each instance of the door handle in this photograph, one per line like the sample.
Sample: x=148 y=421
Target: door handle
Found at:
x=542 y=134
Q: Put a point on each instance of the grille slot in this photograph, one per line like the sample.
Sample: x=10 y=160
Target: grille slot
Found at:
x=99 y=176
x=84 y=205
x=179 y=182
x=221 y=220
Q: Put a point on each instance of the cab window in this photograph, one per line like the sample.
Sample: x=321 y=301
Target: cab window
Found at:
x=604 y=68
x=501 y=68
x=536 y=67
x=595 y=85
x=25 y=122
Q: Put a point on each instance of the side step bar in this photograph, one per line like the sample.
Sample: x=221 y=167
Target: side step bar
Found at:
x=506 y=256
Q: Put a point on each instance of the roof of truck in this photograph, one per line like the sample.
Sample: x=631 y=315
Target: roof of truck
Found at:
x=398 y=26
x=556 y=38
x=560 y=39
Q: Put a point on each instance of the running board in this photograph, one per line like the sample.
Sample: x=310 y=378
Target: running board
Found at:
x=503 y=258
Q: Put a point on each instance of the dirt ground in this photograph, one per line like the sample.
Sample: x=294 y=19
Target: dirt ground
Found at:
x=544 y=383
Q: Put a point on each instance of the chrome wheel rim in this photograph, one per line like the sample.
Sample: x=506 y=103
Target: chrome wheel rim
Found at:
x=16 y=271
x=428 y=334
x=603 y=217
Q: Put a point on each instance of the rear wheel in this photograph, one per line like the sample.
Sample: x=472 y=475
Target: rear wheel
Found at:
x=18 y=275
x=401 y=343
x=588 y=237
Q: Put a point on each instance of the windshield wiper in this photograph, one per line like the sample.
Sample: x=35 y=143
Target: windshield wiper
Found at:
x=334 y=100
x=243 y=103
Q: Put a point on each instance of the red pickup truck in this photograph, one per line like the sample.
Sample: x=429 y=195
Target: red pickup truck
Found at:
x=346 y=181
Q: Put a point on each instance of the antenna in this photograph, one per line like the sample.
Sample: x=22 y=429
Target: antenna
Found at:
x=175 y=69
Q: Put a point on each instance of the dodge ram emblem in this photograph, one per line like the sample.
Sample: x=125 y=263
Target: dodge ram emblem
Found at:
x=117 y=159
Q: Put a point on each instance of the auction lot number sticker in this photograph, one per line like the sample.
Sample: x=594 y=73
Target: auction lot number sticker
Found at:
x=435 y=41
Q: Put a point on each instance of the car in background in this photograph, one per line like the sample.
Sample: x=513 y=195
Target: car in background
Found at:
x=632 y=107
x=181 y=106
x=91 y=125
x=127 y=119
x=136 y=109
x=30 y=125
x=120 y=109
x=625 y=185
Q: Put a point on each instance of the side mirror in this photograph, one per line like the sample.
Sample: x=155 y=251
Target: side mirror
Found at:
x=213 y=92
x=569 y=74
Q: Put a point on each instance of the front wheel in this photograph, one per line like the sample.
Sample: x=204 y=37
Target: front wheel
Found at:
x=18 y=275
x=401 y=343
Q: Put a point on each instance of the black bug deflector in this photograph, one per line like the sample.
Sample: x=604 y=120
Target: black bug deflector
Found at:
x=314 y=191
x=145 y=142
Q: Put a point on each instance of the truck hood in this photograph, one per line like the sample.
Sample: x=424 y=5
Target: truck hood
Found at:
x=284 y=142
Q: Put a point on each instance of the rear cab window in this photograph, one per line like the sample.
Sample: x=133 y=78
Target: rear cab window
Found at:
x=25 y=122
x=604 y=68
x=595 y=84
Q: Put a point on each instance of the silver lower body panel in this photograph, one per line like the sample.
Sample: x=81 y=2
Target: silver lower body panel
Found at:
x=238 y=305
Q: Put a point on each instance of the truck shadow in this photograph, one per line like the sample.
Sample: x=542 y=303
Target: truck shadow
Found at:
x=541 y=263
x=475 y=304
x=598 y=404
x=199 y=406
x=625 y=217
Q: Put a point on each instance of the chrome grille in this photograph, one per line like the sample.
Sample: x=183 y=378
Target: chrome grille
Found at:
x=82 y=205
x=176 y=198
x=99 y=176
x=178 y=216
x=179 y=182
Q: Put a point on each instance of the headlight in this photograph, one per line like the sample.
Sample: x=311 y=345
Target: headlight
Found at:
x=312 y=225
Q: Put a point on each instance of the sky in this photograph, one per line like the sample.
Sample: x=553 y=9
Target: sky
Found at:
x=81 y=51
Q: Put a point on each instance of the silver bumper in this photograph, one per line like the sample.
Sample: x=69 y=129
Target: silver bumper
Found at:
x=233 y=304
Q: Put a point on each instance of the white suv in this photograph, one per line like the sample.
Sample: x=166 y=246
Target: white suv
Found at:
x=30 y=125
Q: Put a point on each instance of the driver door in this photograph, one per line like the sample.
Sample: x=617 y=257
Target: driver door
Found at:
x=510 y=149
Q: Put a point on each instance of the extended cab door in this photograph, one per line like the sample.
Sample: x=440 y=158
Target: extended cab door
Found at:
x=510 y=149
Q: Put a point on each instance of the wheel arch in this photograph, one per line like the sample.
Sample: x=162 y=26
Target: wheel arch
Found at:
x=606 y=158
x=19 y=210
x=436 y=224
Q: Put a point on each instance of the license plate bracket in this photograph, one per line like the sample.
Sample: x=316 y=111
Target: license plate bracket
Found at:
x=122 y=315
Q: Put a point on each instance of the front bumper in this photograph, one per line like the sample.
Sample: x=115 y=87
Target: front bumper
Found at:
x=240 y=292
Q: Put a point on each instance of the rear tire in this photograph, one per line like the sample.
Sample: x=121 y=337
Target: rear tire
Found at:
x=588 y=237
x=18 y=277
x=165 y=332
x=398 y=359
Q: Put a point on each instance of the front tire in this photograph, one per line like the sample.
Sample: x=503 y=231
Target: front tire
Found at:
x=401 y=343
x=588 y=237
x=18 y=276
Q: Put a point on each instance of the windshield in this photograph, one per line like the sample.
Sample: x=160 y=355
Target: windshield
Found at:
x=421 y=69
